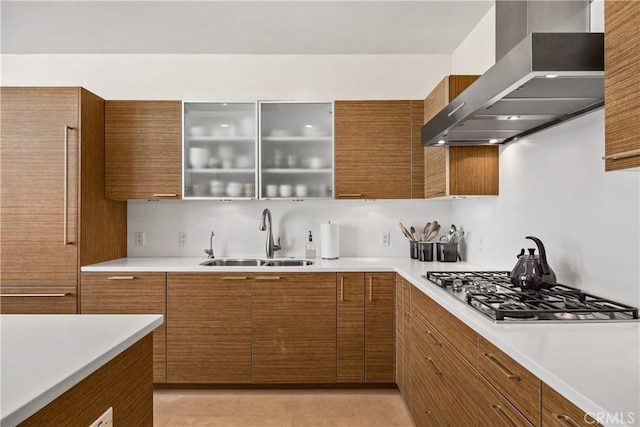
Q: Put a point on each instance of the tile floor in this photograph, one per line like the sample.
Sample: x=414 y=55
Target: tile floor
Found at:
x=280 y=408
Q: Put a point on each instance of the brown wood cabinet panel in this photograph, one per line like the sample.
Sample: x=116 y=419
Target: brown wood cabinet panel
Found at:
x=350 y=352
x=473 y=170
x=460 y=336
x=495 y=410
x=435 y=166
x=417 y=150
x=143 y=149
x=209 y=328
x=557 y=411
x=32 y=168
x=124 y=383
x=379 y=330
x=373 y=149
x=400 y=337
x=294 y=328
x=406 y=327
x=130 y=293
x=103 y=222
x=38 y=300
x=622 y=79
x=517 y=384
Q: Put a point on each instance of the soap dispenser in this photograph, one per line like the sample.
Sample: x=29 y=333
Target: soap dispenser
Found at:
x=310 y=248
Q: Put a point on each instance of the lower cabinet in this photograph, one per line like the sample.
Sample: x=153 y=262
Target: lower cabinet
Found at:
x=38 y=300
x=293 y=328
x=129 y=293
x=559 y=412
x=351 y=326
x=209 y=328
x=495 y=410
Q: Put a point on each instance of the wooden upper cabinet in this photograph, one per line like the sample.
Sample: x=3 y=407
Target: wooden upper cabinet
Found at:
x=143 y=149
x=373 y=149
x=130 y=293
x=621 y=83
x=457 y=171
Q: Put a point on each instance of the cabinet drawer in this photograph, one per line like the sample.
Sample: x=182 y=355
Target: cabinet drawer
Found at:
x=495 y=410
x=559 y=412
x=520 y=386
x=38 y=300
x=463 y=338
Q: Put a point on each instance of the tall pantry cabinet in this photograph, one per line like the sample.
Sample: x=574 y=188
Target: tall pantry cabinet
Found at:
x=55 y=217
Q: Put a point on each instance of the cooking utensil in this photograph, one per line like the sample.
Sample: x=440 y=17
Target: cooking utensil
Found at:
x=425 y=231
x=406 y=232
x=413 y=233
x=532 y=272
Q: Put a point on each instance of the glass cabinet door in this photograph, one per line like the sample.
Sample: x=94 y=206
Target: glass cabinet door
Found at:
x=219 y=150
x=296 y=150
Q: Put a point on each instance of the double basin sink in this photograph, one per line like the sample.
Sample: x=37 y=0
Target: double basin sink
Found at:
x=255 y=262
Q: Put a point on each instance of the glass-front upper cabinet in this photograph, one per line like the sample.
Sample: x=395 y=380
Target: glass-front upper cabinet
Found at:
x=296 y=150
x=219 y=150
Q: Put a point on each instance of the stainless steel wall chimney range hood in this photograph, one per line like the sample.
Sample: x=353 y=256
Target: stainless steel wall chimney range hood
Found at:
x=547 y=78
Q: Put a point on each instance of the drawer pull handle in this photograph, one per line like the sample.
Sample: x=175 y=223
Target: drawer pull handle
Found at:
x=121 y=277
x=433 y=417
x=350 y=195
x=342 y=289
x=165 y=195
x=267 y=277
x=503 y=415
x=622 y=155
x=370 y=288
x=501 y=367
x=36 y=295
x=234 y=277
x=566 y=420
x=434 y=340
x=435 y=367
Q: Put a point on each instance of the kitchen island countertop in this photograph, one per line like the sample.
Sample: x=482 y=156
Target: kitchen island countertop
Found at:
x=594 y=365
x=42 y=356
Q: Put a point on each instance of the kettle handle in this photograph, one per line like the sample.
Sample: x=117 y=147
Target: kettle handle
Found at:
x=544 y=265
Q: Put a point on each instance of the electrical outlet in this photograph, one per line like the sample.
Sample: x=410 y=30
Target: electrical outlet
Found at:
x=182 y=238
x=481 y=245
x=139 y=238
x=385 y=239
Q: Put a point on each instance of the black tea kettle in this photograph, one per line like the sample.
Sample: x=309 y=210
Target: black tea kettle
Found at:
x=532 y=272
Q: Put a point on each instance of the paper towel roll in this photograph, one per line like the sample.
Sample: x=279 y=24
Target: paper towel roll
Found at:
x=329 y=241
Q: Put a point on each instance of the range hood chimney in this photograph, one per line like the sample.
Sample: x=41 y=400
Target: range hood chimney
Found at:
x=548 y=69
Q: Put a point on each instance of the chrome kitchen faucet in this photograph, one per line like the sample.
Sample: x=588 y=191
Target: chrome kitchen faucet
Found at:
x=265 y=224
x=210 y=250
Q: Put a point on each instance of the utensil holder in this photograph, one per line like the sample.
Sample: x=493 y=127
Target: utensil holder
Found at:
x=425 y=251
x=413 y=248
x=447 y=252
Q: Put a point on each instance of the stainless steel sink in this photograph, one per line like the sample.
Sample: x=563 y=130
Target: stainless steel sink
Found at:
x=248 y=262
x=253 y=262
x=288 y=263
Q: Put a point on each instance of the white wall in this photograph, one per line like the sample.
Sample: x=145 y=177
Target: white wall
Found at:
x=233 y=77
x=236 y=225
x=553 y=186
x=476 y=54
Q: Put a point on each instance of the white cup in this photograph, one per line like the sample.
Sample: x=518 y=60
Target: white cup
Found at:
x=286 y=190
x=271 y=190
x=301 y=190
x=227 y=164
x=315 y=162
x=198 y=157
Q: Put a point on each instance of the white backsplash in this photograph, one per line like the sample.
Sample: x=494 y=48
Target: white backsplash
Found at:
x=237 y=234
x=553 y=186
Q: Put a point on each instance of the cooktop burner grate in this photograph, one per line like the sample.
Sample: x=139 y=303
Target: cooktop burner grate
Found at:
x=492 y=293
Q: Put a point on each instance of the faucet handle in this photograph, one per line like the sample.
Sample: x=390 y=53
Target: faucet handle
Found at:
x=277 y=246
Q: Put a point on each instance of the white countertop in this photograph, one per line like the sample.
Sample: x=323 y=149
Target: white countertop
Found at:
x=594 y=365
x=43 y=356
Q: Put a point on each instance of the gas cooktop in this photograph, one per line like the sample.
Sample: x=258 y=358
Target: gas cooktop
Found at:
x=492 y=294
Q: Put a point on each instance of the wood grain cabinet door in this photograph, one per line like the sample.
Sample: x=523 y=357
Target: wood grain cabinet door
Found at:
x=557 y=411
x=209 y=328
x=373 y=149
x=379 y=328
x=294 y=328
x=39 y=186
x=621 y=82
x=350 y=328
x=129 y=293
x=143 y=142
x=38 y=300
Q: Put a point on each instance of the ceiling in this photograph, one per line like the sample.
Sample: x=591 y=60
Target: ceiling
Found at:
x=237 y=27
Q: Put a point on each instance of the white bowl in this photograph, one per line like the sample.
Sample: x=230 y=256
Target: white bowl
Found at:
x=197 y=130
x=315 y=162
x=271 y=190
x=198 y=157
x=301 y=190
x=279 y=133
x=313 y=131
x=286 y=190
